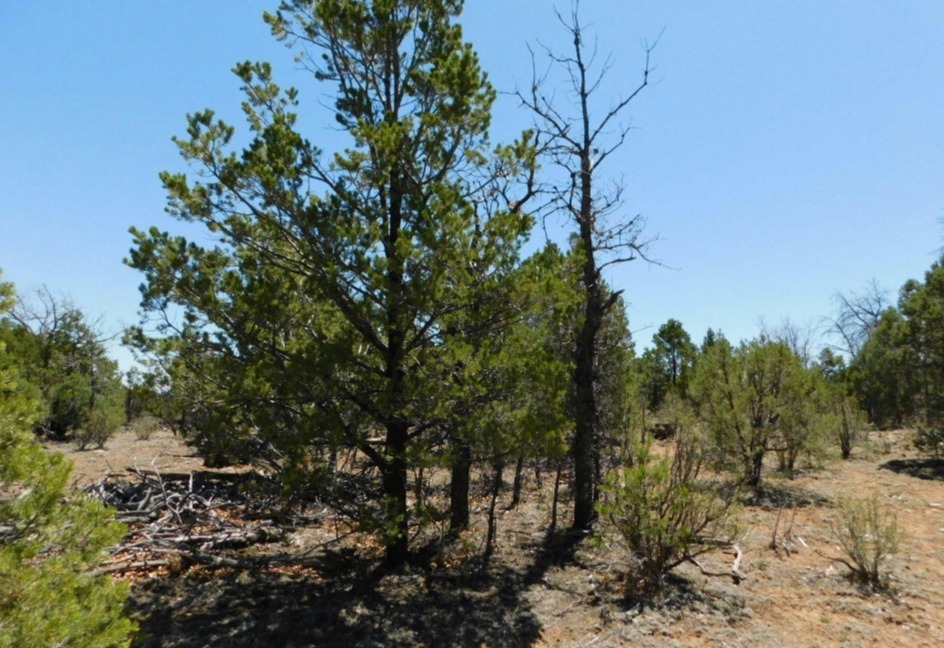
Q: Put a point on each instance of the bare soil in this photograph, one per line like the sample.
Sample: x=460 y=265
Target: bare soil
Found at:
x=545 y=588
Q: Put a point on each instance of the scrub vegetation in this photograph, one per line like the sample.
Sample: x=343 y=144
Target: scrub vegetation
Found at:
x=366 y=413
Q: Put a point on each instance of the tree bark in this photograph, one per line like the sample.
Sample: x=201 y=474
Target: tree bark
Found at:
x=492 y=523
x=755 y=465
x=578 y=145
x=459 y=487
x=516 y=485
x=395 y=496
x=585 y=444
x=556 y=499
x=846 y=434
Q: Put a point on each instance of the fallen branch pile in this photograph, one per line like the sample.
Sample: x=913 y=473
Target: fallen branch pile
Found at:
x=175 y=519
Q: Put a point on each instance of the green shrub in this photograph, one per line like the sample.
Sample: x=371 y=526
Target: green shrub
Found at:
x=104 y=420
x=930 y=441
x=868 y=534
x=49 y=540
x=48 y=544
x=145 y=426
x=663 y=512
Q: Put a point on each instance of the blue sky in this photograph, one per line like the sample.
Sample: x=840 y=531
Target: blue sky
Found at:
x=783 y=152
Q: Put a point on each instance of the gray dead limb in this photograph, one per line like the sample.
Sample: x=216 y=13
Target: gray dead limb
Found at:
x=787 y=540
x=734 y=573
x=193 y=516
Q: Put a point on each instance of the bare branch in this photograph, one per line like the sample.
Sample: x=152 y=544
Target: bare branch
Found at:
x=573 y=147
x=858 y=313
x=734 y=574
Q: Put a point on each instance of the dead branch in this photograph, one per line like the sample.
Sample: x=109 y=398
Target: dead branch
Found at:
x=734 y=574
x=786 y=540
x=129 y=566
x=192 y=516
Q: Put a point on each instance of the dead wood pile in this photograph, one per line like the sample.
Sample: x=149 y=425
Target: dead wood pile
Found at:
x=187 y=518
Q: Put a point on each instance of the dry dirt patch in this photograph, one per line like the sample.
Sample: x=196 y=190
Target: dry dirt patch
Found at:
x=162 y=451
x=546 y=589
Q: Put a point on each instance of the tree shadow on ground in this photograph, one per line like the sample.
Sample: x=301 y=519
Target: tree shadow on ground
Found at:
x=772 y=496
x=559 y=547
x=651 y=610
x=341 y=601
x=927 y=468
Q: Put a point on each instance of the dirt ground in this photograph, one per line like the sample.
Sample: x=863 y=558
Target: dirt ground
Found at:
x=547 y=589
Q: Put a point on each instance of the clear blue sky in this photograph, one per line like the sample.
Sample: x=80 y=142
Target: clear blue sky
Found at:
x=786 y=151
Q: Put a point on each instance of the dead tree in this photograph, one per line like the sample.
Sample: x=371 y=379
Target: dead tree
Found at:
x=857 y=315
x=578 y=144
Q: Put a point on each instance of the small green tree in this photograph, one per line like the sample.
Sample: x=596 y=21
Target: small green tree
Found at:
x=104 y=419
x=922 y=305
x=843 y=421
x=884 y=373
x=517 y=407
x=49 y=539
x=754 y=399
x=930 y=441
x=667 y=367
x=898 y=369
x=805 y=425
x=58 y=350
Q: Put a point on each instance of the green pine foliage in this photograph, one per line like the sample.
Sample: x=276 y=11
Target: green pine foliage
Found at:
x=50 y=539
x=62 y=356
x=930 y=441
x=758 y=398
x=667 y=367
x=884 y=373
x=898 y=371
x=353 y=298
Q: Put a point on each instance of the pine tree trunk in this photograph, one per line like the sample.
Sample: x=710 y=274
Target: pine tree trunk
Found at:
x=845 y=434
x=459 y=487
x=492 y=524
x=395 y=496
x=585 y=442
x=498 y=464
x=397 y=426
x=754 y=466
x=516 y=486
x=585 y=433
x=556 y=499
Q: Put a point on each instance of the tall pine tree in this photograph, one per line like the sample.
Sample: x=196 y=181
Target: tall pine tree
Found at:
x=321 y=319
